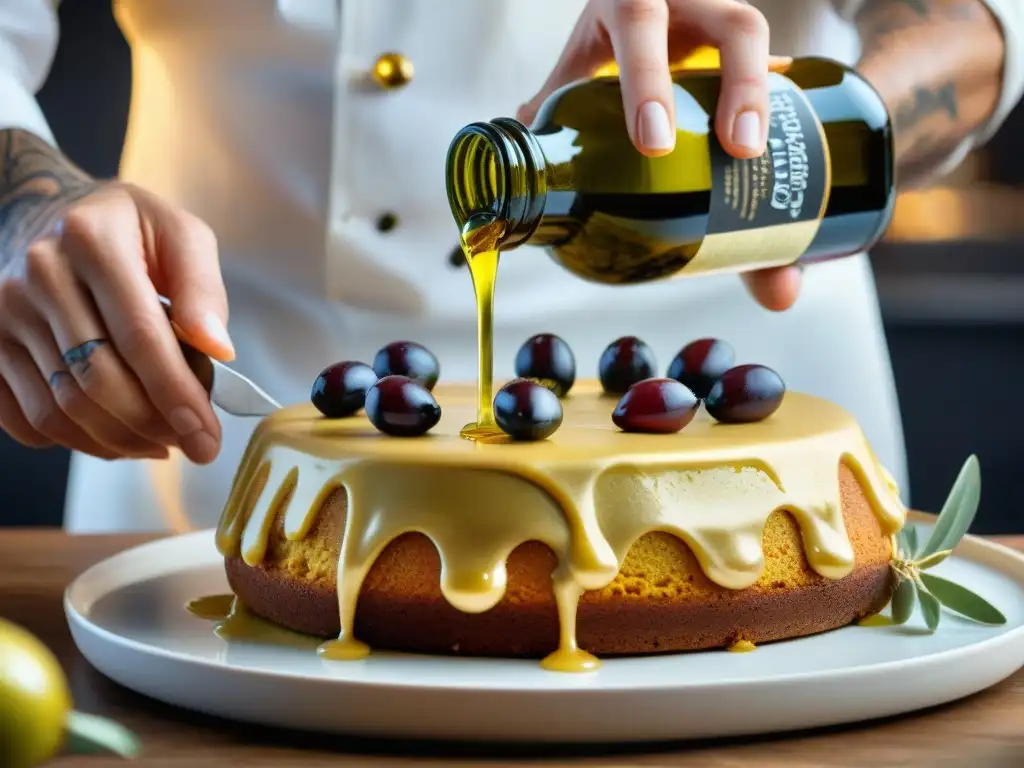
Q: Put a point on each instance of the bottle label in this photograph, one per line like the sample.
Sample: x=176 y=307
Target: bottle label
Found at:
x=766 y=211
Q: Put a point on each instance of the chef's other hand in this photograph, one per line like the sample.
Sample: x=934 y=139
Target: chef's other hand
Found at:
x=643 y=37
x=88 y=359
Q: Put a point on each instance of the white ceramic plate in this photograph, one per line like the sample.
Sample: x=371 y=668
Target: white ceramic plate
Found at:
x=127 y=616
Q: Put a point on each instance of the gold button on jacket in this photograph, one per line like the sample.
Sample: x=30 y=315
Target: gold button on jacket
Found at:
x=392 y=70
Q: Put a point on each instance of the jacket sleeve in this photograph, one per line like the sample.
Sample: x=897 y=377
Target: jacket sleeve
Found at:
x=1010 y=15
x=28 y=40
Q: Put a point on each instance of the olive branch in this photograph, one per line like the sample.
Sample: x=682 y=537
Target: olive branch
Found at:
x=911 y=560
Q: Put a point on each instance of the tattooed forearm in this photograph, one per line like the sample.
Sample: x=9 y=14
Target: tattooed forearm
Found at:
x=882 y=18
x=926 y=122
x=925 y=102
x=36 y=183
x=938 y=65
x=920 y=6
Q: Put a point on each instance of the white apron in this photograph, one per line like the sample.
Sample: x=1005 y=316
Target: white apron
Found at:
x=258 y=116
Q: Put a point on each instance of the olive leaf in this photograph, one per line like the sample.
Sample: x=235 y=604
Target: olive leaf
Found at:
x=930 y=607
x=932 y=560
x=86 y=734
x=962 y=600
x=903 y=601
x=958 y=512
x=910 y=561
x=908 y=540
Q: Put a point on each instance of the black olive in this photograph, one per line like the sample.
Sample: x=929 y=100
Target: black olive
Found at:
x=409 y=359
x=745 y=394
x=623 y=363
x=398 y=406
x=656 y=405
x=526 y=410
x=701 y=363
x=547 y=359
x=340 y=389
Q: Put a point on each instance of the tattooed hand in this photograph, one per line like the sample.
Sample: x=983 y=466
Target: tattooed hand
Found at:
x=88 y=359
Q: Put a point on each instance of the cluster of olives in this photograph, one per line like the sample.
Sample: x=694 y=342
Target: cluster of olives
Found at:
x=702 y=370
x=395 y=392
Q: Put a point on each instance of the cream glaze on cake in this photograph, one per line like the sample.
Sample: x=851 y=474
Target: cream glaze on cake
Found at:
x=588 y=493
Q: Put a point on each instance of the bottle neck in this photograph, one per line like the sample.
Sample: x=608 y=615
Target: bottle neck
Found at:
x=498 y=168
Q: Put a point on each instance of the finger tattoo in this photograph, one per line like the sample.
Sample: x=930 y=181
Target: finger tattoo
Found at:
x=80 y=355
x=57 y=377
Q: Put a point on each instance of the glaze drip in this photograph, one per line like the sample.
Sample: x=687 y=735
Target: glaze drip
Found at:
x=588 y=493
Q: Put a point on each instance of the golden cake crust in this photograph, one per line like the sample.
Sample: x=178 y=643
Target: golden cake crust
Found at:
x=660 y=601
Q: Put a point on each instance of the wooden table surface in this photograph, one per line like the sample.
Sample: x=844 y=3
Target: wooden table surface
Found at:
x=35 y=567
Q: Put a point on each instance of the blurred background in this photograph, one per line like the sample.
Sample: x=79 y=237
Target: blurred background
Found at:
x=950 y=275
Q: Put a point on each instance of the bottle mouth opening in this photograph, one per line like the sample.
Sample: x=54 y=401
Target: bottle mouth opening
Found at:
x=475 y=177
x=497 y=169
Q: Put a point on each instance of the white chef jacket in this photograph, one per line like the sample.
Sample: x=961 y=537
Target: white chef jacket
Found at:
x=259 y=116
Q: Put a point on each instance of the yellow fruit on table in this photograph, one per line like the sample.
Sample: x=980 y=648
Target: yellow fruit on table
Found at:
x=34 y=699
x=35 y=707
